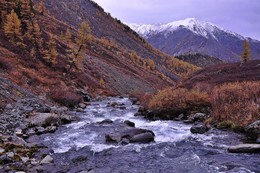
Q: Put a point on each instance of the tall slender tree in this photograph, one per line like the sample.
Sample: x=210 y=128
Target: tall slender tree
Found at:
x=52 y=53
x=83 y=36
x=68 y=35
x=12 y=27
x=26 y=16
x=6 y=6
x=246 y=54
x=41 y=7
x=37 y=38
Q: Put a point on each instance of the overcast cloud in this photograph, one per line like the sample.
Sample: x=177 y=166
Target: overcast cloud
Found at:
x=241 y=16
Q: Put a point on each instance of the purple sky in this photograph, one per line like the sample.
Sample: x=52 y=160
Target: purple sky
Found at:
x=241 y=16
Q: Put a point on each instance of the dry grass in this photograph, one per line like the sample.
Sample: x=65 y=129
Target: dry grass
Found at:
x=236 y=102
x=180 y=101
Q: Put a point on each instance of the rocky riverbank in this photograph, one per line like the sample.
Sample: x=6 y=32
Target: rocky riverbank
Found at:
x=111 y=131
x=85 y=146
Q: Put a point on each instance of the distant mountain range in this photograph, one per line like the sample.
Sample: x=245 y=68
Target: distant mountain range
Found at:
x=191 y=36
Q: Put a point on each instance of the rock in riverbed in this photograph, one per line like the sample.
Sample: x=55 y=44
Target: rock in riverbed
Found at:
x=199 y=129
x=46 y=160
x=253 y=130
x=245 y=148
x=134 y=135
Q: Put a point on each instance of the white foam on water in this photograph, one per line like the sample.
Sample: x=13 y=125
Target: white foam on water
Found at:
x=77 y=137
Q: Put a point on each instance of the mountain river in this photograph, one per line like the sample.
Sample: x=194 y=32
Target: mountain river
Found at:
x=81 y=147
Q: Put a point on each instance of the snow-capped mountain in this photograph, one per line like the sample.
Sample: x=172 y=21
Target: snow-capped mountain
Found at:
x=195 y=36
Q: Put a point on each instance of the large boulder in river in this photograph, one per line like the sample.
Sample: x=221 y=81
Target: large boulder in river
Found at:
x=199 y=129
x=129 y=123
x=48 y=119
x=253 y=130
x=134 y=135
x=245 y=148
x=129 y=133
x=142 y=138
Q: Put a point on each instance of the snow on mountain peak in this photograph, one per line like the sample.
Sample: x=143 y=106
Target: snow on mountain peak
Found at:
x=198 y=27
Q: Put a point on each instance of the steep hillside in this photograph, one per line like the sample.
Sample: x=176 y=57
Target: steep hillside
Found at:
x=199 y=59
x=195 y=36
x=223 y=73
x=113 y=60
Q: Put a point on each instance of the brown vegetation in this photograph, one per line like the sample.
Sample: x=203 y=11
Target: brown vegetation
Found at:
x=236 y=102
x=65 y=97
x=220 y=74
x=180 y=100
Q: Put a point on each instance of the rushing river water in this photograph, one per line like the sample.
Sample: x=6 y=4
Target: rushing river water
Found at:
x=81 y=146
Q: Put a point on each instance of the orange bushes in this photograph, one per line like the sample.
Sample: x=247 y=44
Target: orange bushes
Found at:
x=236 y=102
x=65 y=97
x=180 y=101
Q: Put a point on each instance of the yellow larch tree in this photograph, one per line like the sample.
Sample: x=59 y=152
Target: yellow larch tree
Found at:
x=68 y=35
x=246 y=54
x=83 y=36
x=51 y=55
x=12 y=27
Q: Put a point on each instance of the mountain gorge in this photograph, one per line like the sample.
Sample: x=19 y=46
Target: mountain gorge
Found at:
x=81 y=92
x=191 y=36
x=114 y=61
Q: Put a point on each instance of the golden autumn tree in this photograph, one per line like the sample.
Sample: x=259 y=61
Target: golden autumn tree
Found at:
x=41 y=7
x=12 y=27
x=62 y=36
x=102 y=82
x=26 y=16
x=6 y=6
x=68 y=35
x=151 y=64
x=246 y=54
x=36 y=39
x=51 y=54
x=83 y=36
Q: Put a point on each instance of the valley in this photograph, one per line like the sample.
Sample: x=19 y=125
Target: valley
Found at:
x=82 y=92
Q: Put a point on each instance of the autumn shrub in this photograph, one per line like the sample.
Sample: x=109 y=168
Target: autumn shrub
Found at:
x=5 y=65
x=180 y=100
x=236 y=102
x=65 y=97
x=143 y=98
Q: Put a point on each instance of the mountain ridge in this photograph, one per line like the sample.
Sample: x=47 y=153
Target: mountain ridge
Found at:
x=189 y=23
x=196 y=36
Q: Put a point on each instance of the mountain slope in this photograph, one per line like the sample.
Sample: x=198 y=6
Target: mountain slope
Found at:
x=114 y=61
x=199 y=59
x=220 y=74
x=195 y=36
x=106 y=27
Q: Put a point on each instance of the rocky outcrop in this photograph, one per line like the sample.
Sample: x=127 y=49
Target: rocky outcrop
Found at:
x=245 y=148
x=48 y=119
x=253 y=130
